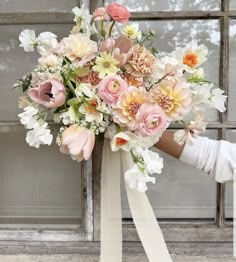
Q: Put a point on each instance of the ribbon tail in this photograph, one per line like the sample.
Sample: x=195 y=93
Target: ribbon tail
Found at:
x=145 y=221
x=111 y=220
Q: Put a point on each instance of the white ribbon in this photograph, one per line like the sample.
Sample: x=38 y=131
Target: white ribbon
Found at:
x=111 y=220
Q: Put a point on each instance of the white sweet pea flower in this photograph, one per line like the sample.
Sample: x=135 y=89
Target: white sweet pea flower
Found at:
x=40 y=135
x=137 y=180
x=153 y=163
x=123 y=140
x=206 y=96
x=29 y=117
x=83 y=20
x=218 y=99
x=46 y=41
x=65 y=116
x=28 y=40
x=84 y=89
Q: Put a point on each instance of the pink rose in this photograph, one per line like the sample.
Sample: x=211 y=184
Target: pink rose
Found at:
x=110 y=88
x=51 y=94
x=151 y=119
x=78 y=142
x=118 y=12
x=100 y=14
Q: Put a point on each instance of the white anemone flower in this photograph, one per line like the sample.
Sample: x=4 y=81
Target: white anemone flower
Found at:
x=40 y=135
x=29 y=117
x=137 y=180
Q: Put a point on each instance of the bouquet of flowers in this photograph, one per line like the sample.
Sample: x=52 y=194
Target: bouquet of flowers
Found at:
x=106 y=78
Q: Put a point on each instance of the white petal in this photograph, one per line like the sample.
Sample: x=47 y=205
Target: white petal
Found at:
x=28 y=40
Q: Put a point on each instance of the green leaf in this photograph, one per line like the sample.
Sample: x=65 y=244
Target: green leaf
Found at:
x=73 y=101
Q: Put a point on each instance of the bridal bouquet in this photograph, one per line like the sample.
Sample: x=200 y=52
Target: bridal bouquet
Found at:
x=106 y=78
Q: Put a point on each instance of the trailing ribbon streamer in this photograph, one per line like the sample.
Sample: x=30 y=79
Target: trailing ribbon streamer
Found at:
x=111 y=220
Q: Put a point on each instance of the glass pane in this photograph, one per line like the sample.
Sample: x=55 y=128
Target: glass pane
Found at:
x=231 y=136
x=170 y=34
x=232 y=75
x=232 y=4
x=169 y=5
x=181 y=191
x=12 y=69
x=40 y=184
x=8 y=6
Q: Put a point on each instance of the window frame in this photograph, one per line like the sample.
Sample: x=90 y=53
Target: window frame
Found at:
x=91 y=169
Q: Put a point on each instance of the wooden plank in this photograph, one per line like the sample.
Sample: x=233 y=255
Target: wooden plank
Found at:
x=174 y=15
x=172 y=233
x=87 y=199
x=186 y=233
x=67 y=17
x=224 y=84
x=217 y=249
x=97 y=164
x=36 y=18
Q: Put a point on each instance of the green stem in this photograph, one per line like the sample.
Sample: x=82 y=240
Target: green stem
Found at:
x=71 y=87
x=112 y=25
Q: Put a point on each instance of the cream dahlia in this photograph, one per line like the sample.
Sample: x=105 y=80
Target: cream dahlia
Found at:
x=174 y=97
x=79 y=47
x=127 y=106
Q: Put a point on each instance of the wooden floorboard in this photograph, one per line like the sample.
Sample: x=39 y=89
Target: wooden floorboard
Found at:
x=210 y=249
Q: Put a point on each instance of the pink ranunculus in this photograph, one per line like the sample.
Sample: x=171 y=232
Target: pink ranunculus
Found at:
x=151 y=119
x=107 y=45
x=118 y=12
x=100 y=14
x=51 y=94
x=110 y=88
x=78 y=142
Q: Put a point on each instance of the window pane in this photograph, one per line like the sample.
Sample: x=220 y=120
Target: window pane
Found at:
x=37 y=183
x=11 y=68
x=231 y=136
x=170 y=34
x=8 y=6
x=232 y=75
x=181 y=191
x=232 y=4
x=169 y=5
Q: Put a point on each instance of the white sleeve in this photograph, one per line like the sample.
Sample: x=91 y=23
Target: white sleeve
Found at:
x=216 y=158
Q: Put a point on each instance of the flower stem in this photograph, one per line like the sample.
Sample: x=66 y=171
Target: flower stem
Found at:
x=112 y=25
